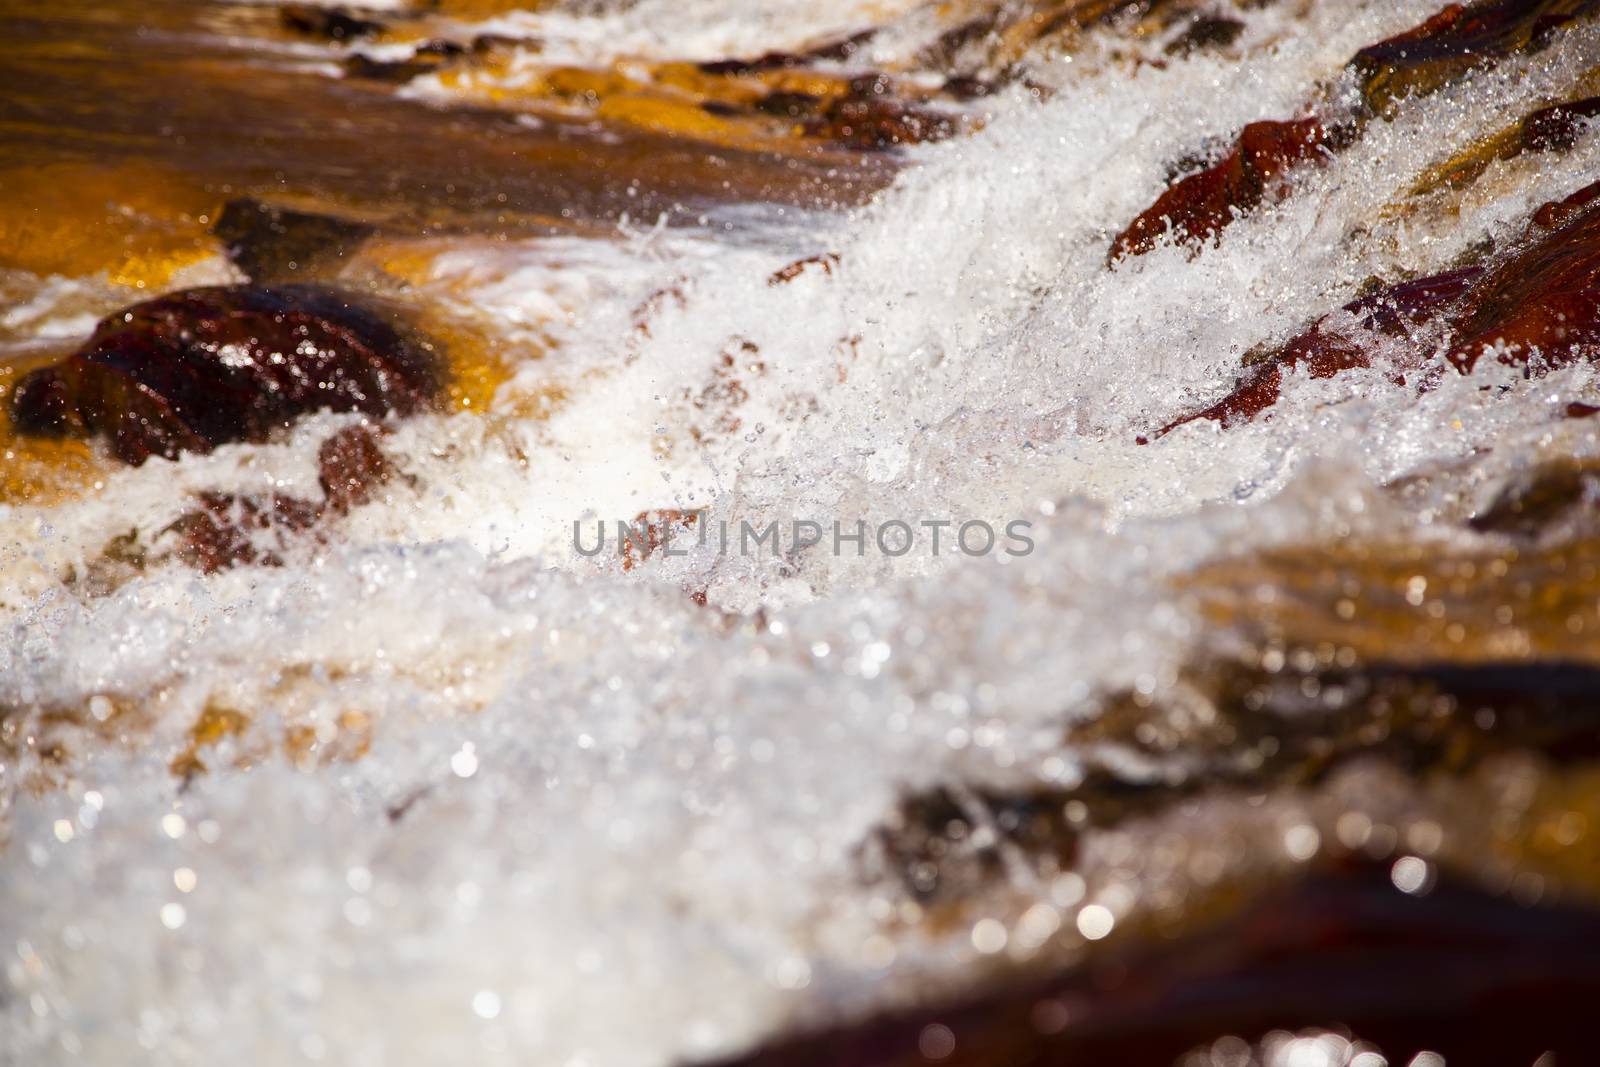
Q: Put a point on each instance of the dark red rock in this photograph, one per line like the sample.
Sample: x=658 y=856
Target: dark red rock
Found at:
x=350 y=467
x=230 y=530
x=203 y=367
x=1544 y=296
x=1534 y=306
x=1331 y=346
x=220 y=532
x=1457 y=40
x=1200 y=206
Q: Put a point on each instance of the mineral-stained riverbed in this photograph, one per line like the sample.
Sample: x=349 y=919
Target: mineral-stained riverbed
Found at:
x=1263 y=335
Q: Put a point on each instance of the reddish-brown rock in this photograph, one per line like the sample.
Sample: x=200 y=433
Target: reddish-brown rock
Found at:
x=1457 y=40
x=221 y=532
x=1454 y=42
x=350 y=467
x=230 y=530
x=203 y=367
x=1542 y=298
x=1201 y=205
x=1534 y=306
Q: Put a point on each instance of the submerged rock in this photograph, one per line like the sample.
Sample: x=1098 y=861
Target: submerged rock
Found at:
x=651 y=529
x=870 y=114
x=331 y=23
x=350 y=468
x=427 y=58
x=1337 y=342
x=225 y=530
x=271 y=244
x=870 y=122
x=1542 y=499
x=835 y=50
x=1343 y=948
x=1550 y=129
x=1205 y=32
x=1233 y=727
x=204 y=367
x=1292 y=834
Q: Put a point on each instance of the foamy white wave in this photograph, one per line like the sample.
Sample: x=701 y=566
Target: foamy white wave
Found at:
x=600 y=824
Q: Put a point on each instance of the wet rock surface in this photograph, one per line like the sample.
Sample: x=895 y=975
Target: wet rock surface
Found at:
x=1533 y=306
x=272 y=244
x=225 y=530
x=201 y=368
x=1377 y=930
x=1547 y=498
x=1343 y=950
x=1459 y=40
x=1553 y=129
x=1199 y=206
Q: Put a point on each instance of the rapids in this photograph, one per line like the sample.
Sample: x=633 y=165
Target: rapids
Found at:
x=455 y=791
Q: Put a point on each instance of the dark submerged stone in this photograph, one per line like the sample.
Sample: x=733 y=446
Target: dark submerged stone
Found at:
x=1206 y=32
x=1476 y=977
x=872 y=122
x=275 y=244
x=1340 y=949
x=839 y=49
x=1261 y=731
x=222 y=532
x=331 y=23
x=1538 y=500
x=204 y=367
x=427 y=59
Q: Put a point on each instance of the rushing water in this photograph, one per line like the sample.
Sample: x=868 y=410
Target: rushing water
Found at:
x=470 y=794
